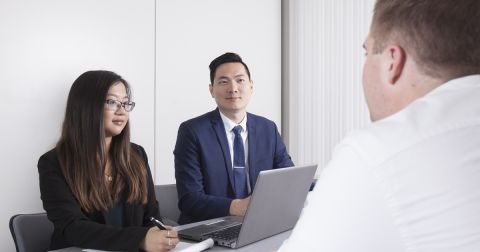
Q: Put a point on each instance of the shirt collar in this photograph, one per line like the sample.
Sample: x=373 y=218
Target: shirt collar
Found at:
x=229 y=124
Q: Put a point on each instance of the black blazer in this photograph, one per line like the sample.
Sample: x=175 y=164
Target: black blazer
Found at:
x=74 y=227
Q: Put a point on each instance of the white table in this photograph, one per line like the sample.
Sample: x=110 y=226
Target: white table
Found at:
x=267 y=245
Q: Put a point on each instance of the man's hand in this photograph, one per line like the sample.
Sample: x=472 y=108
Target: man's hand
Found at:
x=238 y=207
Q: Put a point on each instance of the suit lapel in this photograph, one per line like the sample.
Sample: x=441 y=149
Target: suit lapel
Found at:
x=252 y=150
x=219 y=129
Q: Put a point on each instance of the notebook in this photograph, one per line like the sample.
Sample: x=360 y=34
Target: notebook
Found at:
x=275 y=206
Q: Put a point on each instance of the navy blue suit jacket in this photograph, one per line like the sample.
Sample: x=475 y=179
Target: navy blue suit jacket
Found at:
x=203 y=167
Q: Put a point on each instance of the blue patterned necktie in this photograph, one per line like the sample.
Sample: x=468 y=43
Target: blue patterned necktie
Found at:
x=239 y=175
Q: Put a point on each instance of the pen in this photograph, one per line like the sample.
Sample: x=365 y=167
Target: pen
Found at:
x=158 y=223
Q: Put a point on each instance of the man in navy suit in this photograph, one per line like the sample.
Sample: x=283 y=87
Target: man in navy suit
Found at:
x=219 y=155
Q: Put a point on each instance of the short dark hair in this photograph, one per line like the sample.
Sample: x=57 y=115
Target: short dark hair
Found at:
x=443 y=36
x=228 y=57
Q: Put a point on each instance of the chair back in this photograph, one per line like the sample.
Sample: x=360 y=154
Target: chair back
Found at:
x=168 y=203
x=31 y=232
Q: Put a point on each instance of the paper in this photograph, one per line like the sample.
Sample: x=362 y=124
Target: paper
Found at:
x=93 y=250
x=96 y=250
x=181 y=247
x=197 y=247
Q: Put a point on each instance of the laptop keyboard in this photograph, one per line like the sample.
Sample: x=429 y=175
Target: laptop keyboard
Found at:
x=202 y=229
x=229 y=233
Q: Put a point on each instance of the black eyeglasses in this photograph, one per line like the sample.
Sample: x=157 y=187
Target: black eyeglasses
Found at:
x=115 y=105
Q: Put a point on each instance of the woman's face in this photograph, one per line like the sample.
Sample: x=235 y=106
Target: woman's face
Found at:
x=115 y=117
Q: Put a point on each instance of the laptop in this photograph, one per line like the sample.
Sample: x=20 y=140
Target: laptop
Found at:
x=275 y=207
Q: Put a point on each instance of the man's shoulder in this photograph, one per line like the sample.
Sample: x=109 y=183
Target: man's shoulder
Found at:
x=203 y=119
x=381 y=140
x=256 y=119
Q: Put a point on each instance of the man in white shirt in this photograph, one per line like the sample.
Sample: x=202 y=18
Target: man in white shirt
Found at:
x=411 y=180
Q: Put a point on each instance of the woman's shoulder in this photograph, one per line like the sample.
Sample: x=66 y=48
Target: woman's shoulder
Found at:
x=48 y=159
x=49 y=155
x=138 y=149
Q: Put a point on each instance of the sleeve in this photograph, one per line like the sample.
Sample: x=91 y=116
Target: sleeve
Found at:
x=69 y=220
x=282 y=158
x=193 y=201
x=345 y=212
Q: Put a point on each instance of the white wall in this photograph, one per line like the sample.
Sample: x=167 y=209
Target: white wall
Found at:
x=162 y=48
x=190 y=34
x=44 y=46
x=322 y=74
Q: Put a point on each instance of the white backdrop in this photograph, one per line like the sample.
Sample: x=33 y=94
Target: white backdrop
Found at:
x=322 y=73
x=162 y=48
x=190 y=34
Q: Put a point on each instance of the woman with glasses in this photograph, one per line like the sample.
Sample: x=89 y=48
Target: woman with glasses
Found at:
x=95 y=184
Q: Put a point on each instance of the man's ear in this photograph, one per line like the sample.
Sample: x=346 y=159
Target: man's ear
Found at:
x=210 y=88
x=397 y=58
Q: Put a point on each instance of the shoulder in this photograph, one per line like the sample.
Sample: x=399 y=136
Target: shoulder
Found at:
x=49 y=156
x=138 y=149
x=200 y=124
x=381 y=140
x=260 y=120
x=48 y=161
x=203 y=119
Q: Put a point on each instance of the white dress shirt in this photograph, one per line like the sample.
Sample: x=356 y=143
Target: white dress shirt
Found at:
x=229 y=125
x=409 y=182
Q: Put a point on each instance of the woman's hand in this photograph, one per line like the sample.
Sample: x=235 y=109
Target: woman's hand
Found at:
x=157 y=240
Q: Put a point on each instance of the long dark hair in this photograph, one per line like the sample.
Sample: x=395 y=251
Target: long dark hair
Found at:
x=82 y=149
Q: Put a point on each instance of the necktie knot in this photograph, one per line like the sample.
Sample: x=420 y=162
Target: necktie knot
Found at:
x=237 y=130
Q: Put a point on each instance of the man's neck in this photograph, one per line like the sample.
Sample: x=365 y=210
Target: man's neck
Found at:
x=236 y=116
x=419 y=85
